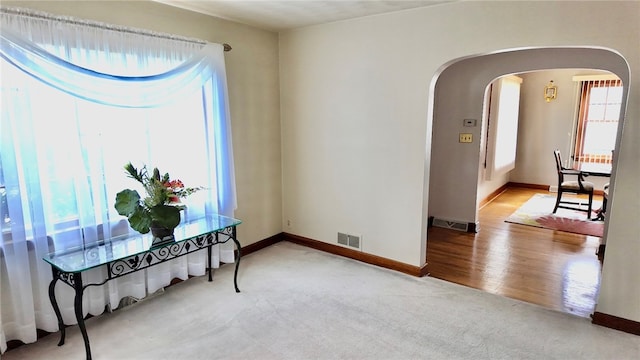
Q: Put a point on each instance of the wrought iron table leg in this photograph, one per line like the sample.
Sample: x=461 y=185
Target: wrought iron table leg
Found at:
x=209 y=262
x=77 y=306
x=235 y=274
x=54 y=303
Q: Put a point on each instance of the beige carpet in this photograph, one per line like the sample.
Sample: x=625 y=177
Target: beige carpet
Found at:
x=299 y=303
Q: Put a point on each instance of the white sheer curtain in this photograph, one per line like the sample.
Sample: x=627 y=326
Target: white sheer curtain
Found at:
x=80 y=100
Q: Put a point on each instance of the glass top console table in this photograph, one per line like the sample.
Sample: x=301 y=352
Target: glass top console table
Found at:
x=126 y=254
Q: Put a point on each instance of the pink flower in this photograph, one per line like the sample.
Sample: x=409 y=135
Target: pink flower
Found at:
x=177 y=184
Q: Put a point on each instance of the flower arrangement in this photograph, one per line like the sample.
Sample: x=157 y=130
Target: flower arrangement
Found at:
x=160 y=208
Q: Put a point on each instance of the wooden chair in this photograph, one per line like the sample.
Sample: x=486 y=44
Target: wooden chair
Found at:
x=578 y=187
x=605 y=198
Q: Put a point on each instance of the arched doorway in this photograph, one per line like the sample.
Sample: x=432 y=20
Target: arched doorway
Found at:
x=458 y=94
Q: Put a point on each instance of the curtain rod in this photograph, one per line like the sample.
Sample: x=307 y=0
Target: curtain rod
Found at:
x=96 y=24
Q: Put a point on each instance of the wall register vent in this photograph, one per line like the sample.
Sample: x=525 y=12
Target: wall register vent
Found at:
x=450 y=224
x=349 y=240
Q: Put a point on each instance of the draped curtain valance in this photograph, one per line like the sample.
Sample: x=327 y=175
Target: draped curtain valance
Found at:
x=112 y=88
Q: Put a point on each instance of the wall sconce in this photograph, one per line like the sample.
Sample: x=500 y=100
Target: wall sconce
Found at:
x=550 y=92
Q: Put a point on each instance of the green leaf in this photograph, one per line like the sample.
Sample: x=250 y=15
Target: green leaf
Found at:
x=127 y=202
x=166 y=215
x=140 y=220
x=133 y=173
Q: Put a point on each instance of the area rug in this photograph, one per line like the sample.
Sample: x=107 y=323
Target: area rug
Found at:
x=537 y=211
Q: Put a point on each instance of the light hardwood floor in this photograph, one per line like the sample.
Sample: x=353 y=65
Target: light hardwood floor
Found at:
x=553 y=269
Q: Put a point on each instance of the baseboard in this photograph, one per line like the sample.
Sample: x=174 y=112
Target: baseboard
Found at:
x=357 y=255
x=614 y=322
x=528 y=186
x=493 y=195
x=259 y=245
x=337 y=250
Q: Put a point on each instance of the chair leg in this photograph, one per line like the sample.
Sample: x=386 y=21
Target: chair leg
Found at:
x=590 y=203
x=557 y=201
x=602 y=210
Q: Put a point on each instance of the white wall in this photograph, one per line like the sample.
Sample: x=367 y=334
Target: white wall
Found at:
x=545 y=126
x=252 y=75
x=356 y=136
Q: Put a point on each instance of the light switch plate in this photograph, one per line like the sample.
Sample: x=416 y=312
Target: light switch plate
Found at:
x=469 y=122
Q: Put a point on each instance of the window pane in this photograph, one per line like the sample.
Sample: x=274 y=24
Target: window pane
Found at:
x=597 y=127
x=600 y=138
x=615 y=94
x=598 y=95
x=612 y=112
x=596 y=112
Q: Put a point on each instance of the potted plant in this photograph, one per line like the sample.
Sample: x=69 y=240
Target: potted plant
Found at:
x=160 y=210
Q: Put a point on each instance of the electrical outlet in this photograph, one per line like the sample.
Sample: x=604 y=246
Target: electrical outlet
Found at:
x=466 y=138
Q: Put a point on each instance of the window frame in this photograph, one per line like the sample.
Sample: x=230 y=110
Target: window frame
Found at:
x=582 y=120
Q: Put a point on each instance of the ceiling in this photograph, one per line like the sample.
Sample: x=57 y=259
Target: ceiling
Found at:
x=279 y=15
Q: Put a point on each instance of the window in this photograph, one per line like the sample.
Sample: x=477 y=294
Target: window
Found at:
x=597 y=125
x=502 y=130
x=95 y=141
x=72 y=116
x=67 y=133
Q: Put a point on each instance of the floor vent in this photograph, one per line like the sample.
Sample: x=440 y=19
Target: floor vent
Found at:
x=451 y=224
x=349 y=240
